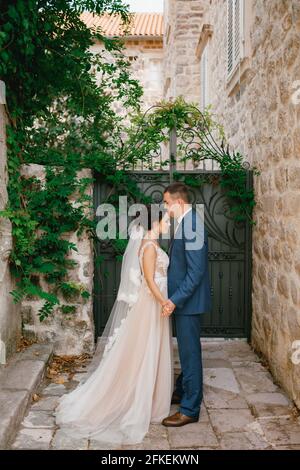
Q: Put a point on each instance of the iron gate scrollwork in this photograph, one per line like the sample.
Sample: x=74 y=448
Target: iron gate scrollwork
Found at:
x=229 y=241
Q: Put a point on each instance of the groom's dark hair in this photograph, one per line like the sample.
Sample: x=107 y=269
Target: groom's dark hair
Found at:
x=179 y=190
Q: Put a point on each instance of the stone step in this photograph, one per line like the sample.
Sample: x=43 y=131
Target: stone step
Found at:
x=19 y=380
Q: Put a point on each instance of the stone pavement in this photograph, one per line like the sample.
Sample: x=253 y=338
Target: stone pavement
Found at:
x=243 y=409
x=19 y=379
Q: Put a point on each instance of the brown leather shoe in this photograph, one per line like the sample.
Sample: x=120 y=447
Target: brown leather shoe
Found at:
x=178 y=419
x=175 y=399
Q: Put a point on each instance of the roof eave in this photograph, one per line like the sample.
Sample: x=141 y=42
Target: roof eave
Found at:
x=136 y=37
x=146 y=36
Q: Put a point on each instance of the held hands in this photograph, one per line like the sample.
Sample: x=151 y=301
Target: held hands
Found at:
x=168 y=308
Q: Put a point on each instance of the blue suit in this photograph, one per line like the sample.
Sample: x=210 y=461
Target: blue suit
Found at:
x=189 y=290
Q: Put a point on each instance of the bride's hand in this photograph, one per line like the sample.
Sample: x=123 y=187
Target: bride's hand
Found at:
x=167 y=308
x=163 y=304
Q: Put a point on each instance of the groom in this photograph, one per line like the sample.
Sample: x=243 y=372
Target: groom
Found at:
x=189 y=297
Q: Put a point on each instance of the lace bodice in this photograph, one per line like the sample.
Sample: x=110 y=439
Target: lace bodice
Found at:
x=162 y=260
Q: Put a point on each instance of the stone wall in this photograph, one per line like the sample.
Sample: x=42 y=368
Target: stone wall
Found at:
x=147 y=67
x=146 y=56
x=183 y=22
x=274 y=146
x=71 y=334
x=10 y=319
x=263 y=122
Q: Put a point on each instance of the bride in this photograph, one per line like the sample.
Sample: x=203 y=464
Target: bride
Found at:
x=132 y=382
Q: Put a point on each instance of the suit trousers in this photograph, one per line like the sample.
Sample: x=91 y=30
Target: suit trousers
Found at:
x=189 y=384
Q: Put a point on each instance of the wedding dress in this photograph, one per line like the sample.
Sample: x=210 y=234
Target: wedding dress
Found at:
x=133 y=384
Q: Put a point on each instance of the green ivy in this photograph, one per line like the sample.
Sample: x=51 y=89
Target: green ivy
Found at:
x=209 y=142
x=62 y=118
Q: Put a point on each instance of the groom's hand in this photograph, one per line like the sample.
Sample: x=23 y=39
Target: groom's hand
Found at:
x=168 y=308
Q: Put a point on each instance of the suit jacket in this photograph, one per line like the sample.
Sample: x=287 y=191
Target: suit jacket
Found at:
x=188 y=275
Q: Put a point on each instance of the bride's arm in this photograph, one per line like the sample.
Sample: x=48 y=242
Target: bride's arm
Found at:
x=149 y=263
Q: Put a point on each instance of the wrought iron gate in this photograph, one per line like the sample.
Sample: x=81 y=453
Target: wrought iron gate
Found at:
x=230 y=248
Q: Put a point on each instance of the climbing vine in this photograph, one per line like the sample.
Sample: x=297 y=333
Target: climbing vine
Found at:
x=61 y=102
x=200 y=137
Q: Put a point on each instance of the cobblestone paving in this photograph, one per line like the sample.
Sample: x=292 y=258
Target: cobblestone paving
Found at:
x=243 y=409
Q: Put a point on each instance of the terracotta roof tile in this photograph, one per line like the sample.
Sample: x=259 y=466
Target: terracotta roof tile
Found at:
x=143 y=24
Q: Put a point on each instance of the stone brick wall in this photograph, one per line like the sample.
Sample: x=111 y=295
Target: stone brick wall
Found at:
x=183 y=22
x=274 y=146
x=71 y=334
x=146 y=56
x=10 y=319
x=262 y=121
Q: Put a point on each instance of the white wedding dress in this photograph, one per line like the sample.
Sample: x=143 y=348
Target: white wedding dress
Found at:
x=133 y=384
